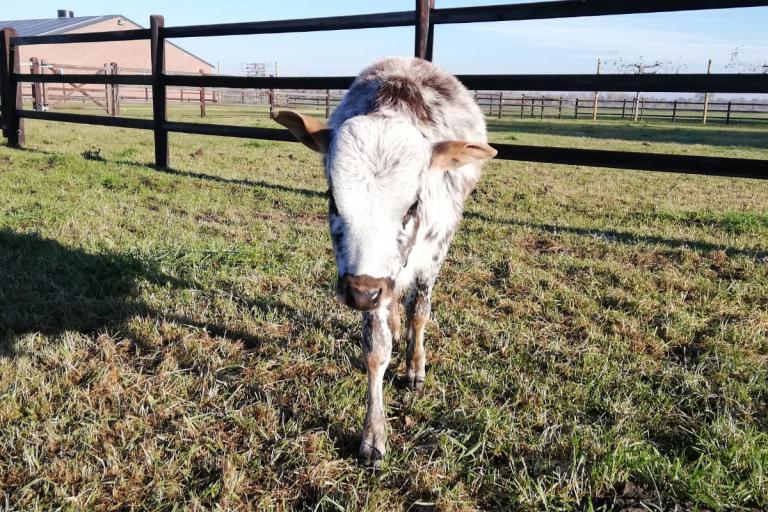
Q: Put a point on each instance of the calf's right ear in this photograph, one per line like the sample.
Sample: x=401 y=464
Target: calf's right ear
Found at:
x=311 y=132
x=452 y=154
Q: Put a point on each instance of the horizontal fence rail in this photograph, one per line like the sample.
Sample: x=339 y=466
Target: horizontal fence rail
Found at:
x=362 y=21
x=578 y=9
x=121 y=122
x=720 y=83
x=423 y=19
x=84 y=79
x=89 y=37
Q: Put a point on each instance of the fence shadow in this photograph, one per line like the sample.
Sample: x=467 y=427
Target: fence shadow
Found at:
x=623 y=237
x=641 y=133
x=231 y=181
x=48 y=288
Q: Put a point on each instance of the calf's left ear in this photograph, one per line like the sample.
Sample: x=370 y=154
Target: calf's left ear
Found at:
x=453 y=154
x=311 y=132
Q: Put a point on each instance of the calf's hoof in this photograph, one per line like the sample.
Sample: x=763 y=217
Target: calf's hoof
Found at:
x=415 y=383
x=370 y=455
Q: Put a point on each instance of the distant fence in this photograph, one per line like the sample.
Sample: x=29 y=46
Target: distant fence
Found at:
x=424 y=18
x=108 y=97
x=500 y=105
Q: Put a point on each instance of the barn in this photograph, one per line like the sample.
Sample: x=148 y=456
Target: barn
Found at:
x=134 y=55
x=118 y=57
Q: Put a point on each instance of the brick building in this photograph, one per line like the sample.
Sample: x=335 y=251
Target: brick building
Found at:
x=134 y=55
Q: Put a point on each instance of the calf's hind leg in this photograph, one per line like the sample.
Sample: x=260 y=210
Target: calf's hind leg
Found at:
x=377 y=350
x=418 y=308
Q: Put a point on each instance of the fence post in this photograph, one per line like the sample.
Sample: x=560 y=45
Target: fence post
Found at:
x=425 y=30
x=728 y=114
x=271 y=103
x=107 y=90
x=623 y=107
x=115 y=92
x=37 y=91
x=636 y=107
x=560 y=107
x=642 y=108
x=597 y=94
x=203 y=113
x=327 y=103
x=159 y=107
x=4 y=108
x=12 y=101
x=706 y=96
x=674 y=111
x=501 y=103
x=522 y=106
x=576 y=110
x=42 y=86
x=541 y=116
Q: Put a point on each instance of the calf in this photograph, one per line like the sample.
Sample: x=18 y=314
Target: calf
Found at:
x=402 y=152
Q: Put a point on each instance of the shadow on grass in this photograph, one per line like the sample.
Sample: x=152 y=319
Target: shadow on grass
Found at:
x=246 y=182
x=633 y=132
x=48 y=288
x=623 y=237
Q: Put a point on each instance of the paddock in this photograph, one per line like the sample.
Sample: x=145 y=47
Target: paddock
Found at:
x=169 y=336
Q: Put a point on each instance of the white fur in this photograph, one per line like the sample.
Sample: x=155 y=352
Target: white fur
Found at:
x=375 y=177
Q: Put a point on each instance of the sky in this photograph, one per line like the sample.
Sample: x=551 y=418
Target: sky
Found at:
x=684 y=41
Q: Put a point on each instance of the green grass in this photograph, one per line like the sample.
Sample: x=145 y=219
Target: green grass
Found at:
x=170 y=340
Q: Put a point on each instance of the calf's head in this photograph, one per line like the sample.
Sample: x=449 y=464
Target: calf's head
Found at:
x=376 y=168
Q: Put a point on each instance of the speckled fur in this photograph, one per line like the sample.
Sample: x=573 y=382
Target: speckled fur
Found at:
x=452 y=115
x=392 y=214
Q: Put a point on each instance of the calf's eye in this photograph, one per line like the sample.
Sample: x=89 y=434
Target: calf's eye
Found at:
x=410 y=213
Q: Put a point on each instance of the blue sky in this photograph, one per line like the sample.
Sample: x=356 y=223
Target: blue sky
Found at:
x=685 y=40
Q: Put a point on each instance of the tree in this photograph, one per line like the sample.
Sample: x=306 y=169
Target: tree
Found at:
x=641 y=67
x=735 y=64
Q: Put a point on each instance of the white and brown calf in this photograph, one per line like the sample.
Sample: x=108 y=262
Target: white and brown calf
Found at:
x=402 y=152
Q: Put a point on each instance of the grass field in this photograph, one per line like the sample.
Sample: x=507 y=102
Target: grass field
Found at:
x=170 y=340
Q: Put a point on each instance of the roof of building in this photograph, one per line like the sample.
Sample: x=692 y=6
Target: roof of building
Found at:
x=27 y=28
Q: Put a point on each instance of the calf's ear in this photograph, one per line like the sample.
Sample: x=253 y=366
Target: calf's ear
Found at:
x=311 y=132
x=453 y=154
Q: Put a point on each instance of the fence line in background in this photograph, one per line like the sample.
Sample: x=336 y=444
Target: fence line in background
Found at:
x=498 y=105
x=45 y=96
x=423 y=19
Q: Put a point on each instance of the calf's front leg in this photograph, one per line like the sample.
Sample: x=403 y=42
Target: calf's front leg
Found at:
x=418 y=308
x=377 y=350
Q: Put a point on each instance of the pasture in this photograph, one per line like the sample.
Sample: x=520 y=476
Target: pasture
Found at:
x=170 y=340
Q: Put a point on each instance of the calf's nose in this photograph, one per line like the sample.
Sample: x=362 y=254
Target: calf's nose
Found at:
x=364 y=293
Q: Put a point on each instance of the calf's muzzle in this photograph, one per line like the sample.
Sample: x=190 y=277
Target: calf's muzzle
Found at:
x=364 y=293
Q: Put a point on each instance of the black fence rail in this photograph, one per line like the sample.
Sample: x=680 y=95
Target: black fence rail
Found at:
x=424 y=18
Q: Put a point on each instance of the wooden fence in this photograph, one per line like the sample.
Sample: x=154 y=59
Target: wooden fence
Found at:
x=424 y=18
x=108 y=97
x=495 y=104
x=500 y=105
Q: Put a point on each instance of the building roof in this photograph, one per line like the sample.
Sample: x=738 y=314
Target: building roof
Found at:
x=48 y=26
x=28 y=28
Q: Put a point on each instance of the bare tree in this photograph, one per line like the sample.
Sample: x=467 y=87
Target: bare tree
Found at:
x=640 y=66
x=737 y=65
